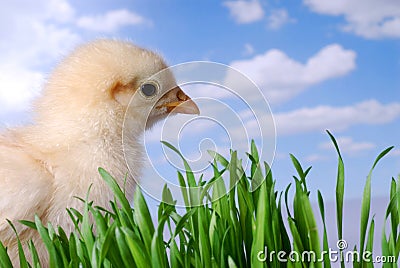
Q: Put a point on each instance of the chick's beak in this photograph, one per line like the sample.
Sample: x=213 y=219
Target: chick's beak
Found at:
x=180 y=103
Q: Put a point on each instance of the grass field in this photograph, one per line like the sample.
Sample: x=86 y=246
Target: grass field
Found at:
x=243 y=228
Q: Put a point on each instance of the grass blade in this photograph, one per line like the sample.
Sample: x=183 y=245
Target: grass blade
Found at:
x=340 y=178
x=366 y=201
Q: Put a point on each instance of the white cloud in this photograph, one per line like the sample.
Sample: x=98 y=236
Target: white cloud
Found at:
x=200 y=90
x=245 y=11
x=56 y=10
x=281 y=155
x=14 y=95
x=248 y=49
x=278 y=18
x=317 y=119
x=110 y=21
x=366 y=18
x=281 y=77
x=60 y=10
x=395 y=152
x=336 y=118
x=36 y=34
x=348 y=145
x=315 y=158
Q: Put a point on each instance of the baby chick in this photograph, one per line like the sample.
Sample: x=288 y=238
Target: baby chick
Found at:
x=78 y=125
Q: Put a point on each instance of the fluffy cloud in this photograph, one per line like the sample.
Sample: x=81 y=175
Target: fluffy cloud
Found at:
x=367 y=18
x=14 y=95
x=245 y=11
x=281 y=77
x=315 y=157
x=278 y=18
x=395 y=152
x=348 y=145
x=336 y=118
x=110 y=21
x=320 y=118
x=248 y=49
x=56 y=10
x=37 y=34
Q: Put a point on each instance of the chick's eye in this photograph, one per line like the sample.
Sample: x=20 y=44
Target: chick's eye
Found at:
x=148 y=89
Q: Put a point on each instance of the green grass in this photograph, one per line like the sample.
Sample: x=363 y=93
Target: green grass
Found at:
x=231 y=231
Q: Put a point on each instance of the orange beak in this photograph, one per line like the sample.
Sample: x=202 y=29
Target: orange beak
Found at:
x=180 y=103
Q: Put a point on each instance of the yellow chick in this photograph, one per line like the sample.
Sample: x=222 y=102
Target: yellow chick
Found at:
x=77 y=128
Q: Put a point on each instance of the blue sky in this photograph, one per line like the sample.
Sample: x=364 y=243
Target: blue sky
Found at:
x=320 y=64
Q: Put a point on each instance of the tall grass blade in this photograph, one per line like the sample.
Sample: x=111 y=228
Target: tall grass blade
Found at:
x=366 y=201
x=339 y=192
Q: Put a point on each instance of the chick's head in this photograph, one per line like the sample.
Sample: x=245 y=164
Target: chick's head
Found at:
x=115 y=77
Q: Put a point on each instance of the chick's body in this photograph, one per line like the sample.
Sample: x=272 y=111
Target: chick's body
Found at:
x=78 y=128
